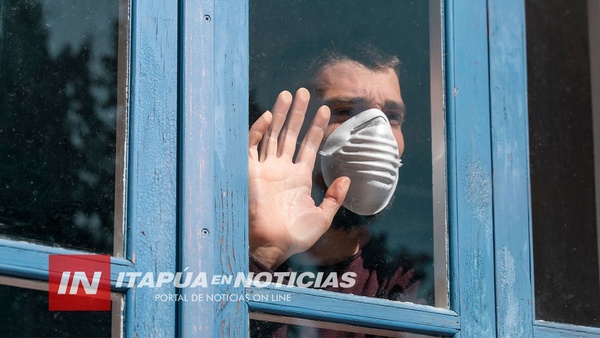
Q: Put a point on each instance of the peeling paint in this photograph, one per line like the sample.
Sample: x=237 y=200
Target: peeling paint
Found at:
x=479 y=191
x=507 y=298
x=478 y=295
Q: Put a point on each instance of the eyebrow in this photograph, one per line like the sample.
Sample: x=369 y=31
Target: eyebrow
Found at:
x=389 y=104
x=395 y=105
x=344 y=100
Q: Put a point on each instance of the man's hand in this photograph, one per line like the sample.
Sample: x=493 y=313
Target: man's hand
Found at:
x=283 y=217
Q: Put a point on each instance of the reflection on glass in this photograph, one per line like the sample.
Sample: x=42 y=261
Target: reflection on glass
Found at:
x=352 y=58
x=60 y=102
x=271 y=326
x=562 y=154
x=24 y=313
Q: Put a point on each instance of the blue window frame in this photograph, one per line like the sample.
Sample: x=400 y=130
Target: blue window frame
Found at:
x=151 y=234
x=152 y=179
x=214 y=168
x=187 y=183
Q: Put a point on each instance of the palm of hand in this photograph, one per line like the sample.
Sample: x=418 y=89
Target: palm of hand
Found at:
x=283 y=217
x=282 y=212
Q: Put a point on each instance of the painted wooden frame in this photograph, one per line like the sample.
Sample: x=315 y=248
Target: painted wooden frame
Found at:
x=152 y=169
x=214 y=165
x=491 y=271
x=512 y=222
x=470 y=172
x=512 y=201
x=187 y=182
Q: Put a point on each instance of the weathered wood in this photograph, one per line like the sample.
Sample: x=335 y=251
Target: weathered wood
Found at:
x=470 y=169
x=214 y=160
x=152 y=170
x=512 y=227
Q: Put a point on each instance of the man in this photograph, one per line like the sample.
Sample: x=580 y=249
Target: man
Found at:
x=360 y=98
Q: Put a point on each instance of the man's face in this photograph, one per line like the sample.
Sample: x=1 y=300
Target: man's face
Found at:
x=350 y=88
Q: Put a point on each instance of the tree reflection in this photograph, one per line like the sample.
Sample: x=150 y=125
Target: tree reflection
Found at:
x=57 y=136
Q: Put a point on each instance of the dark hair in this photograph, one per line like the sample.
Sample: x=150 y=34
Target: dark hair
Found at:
x=364 y=54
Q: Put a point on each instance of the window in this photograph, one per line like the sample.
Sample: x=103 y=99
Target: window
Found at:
x=562 y=126
x=26 y=302
x=184 y=81
x=322 y=36
x=284 y=56
x=62 y=144
x=64 y=113
x=69 y=63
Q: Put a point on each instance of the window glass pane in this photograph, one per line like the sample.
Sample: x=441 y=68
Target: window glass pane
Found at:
x=24 y=313
x=355 y=57
x=62 y=106
x=564 y=159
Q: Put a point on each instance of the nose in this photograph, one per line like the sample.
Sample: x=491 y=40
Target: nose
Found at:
x=377 y=125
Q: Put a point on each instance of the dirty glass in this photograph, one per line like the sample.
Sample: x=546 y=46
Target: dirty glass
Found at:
x=62 y=106
x=24 y=313
x=401 y=249
x=563 y=74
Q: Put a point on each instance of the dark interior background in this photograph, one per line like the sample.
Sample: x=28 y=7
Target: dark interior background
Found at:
x=567 y=288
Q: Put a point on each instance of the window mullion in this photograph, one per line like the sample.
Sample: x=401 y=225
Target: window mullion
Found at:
x=30 y=261
x=214 y=164
x=471 y=277
x=152 y=167
x=512 y=226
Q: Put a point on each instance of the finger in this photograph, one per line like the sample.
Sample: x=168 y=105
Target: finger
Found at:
x=289 y=135
x=312 y=140
x=256 y=133
x=268 y=146
x=334 y=197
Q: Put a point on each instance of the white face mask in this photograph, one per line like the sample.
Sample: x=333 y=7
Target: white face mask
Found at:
x=364 y=149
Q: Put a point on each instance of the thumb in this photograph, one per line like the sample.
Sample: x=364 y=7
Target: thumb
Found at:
x=334 y=197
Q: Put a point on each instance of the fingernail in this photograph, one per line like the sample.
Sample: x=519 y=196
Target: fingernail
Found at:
x=345 y=183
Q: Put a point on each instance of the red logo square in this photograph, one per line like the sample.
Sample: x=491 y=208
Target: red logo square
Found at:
x=79 y=283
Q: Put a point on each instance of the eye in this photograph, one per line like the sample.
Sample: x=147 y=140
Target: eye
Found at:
x=341 y=114
x=396 y=119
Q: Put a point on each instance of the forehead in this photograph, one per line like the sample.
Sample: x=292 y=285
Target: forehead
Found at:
x=351 y=79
